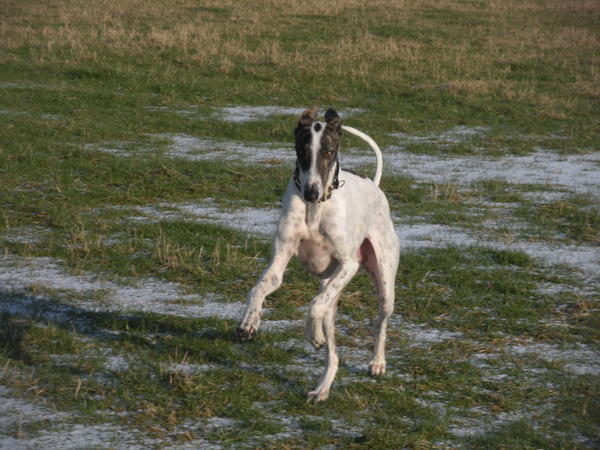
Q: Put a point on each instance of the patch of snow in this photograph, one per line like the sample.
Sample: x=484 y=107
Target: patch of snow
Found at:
x=15 y=113
x=116 y=363
x=439 y=407
x=258 y=221
x=488 y=422
x=26 y=113
x=189 y=111
x=578 y=172
x=221 y=422
x=240 y=114
x=581 y=257
x=79 y=436
x=202 y=149
x=12 y=85
x=421 y=336
x=50 y=116
x=455 y=135
x=261 y=221
x=26 y=235
x=194 y=148
x=16 y=411
x=429 y=235
x=190 y=369
x=280 y=325
x=18 y=276
x=578 y=359
x=574 y=172
x=545 y=196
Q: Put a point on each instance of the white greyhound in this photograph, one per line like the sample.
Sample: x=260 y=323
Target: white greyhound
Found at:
x=334 y=221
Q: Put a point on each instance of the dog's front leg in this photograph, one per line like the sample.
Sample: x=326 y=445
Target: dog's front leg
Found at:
x=285 y=245
x=320 y=325
x=269 y=281
x=322 y=303
x=322 y=391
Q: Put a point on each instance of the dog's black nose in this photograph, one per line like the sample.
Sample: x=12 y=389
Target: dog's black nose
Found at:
x=311 y=193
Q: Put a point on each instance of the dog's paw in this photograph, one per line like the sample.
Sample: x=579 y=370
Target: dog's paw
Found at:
x=314 y=332
x=377 y=369
x=244 y=333
x=249 y=325
x=318 y=395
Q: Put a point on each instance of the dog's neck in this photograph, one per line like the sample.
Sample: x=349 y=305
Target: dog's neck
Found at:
x=313 y=216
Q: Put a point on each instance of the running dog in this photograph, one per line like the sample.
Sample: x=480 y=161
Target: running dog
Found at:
x=334 y=221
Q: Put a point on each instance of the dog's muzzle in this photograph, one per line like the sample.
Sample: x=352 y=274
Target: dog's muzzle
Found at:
x=311 y=193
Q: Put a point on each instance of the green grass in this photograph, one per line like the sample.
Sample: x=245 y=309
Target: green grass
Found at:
x=490 y=346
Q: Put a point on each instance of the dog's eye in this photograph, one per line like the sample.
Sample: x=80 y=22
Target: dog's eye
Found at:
x=328 y=154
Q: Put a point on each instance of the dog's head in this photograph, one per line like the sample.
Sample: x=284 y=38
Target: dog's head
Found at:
x=317 y=147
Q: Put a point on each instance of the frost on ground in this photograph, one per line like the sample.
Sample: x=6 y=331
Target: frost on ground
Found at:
x=577 y=359
x=251 y=220
x=26 y=235
x=456 y=135
x=241 y=114
x=201 y=149
x=577 y=173
x=58 y=430
x=584 y=258
x=262 y=222
x=19 y=276
x=16 y=414
x=256 y=113
x=421 y=336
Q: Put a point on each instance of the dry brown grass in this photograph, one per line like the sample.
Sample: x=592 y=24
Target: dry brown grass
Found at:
x=231 y=34
x=175 y=257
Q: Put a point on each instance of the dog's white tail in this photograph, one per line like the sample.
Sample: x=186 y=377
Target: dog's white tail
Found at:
x=375 y=148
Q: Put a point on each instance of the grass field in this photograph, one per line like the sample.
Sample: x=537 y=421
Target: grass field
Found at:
x=144 y=150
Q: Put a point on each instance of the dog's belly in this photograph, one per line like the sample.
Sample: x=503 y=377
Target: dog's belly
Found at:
x=316 y=258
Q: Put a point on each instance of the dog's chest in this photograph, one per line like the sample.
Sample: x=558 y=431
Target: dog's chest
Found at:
x=316 y=255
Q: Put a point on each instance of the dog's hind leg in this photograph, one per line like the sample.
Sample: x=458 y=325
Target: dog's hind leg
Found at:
x=381 y=265
x=386 y=308
x=322 y=391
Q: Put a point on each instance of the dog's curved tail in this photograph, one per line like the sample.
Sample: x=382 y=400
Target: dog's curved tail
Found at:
x=375 y=148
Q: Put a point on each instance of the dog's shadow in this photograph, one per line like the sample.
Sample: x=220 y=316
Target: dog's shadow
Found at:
x=20 y=312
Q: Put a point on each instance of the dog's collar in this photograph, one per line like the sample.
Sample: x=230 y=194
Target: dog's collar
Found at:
x=335 y=184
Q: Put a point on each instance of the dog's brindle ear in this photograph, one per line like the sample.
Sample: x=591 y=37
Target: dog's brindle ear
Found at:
x=333 y=120
x=306 y=120
x=308 y=116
